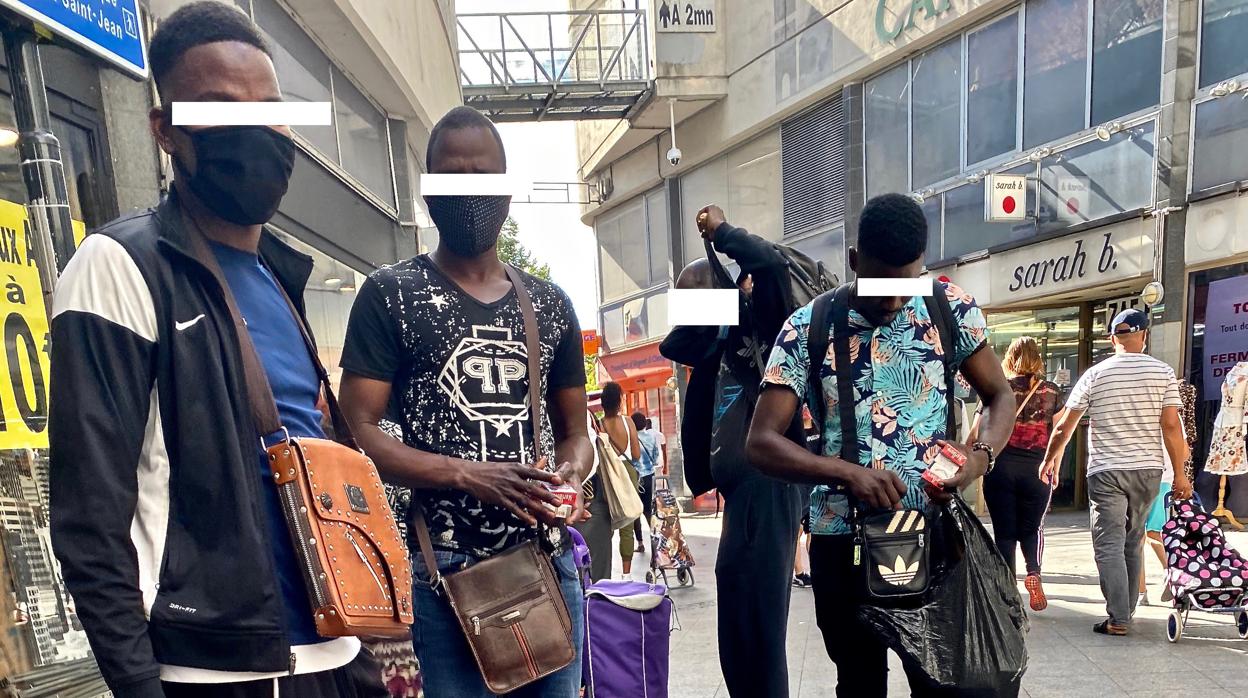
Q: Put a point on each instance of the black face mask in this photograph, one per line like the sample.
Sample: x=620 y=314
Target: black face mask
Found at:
x=241 y=172
x=469 y=225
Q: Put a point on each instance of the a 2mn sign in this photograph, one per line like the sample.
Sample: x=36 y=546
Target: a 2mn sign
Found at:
x=687 y=16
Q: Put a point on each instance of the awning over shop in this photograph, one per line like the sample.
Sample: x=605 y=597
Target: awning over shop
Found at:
x=636 y=368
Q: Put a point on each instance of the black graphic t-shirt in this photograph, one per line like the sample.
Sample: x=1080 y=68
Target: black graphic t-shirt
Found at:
x=459 y=371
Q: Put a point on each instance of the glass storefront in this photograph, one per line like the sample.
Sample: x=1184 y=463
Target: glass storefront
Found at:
x=1071 y=339
x=1199 y=334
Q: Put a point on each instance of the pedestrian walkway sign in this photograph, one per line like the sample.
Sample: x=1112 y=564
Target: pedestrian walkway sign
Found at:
x=696 y=16
x=108 y=28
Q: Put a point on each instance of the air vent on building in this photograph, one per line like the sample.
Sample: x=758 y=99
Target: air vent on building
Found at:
x=812 y=161
x=606 y=185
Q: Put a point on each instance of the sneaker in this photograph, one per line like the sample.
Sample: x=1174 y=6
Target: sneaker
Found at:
x=1143 y=600
x=1036 y=591
x=1109 y=627
x=799 y=582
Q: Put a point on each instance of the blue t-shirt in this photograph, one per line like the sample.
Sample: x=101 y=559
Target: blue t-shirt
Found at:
x=296 y=389
x=649 y=452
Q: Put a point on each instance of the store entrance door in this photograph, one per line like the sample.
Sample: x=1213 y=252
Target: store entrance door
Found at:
x=1056 y=330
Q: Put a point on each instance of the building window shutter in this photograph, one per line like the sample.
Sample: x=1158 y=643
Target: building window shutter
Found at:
x=812 y=161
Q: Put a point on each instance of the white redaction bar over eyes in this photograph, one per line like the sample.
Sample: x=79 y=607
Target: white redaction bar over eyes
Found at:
x=695 y=306
x=894 y=287
x=251 y=114
x=473 y=185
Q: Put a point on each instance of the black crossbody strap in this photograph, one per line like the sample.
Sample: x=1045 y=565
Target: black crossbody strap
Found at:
x=844 y=380
x=942 y=316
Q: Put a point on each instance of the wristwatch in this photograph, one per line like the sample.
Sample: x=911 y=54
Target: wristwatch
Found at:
x=992 y=459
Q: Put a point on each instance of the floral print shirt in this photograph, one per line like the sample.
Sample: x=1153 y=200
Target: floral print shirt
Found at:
x=899 y=392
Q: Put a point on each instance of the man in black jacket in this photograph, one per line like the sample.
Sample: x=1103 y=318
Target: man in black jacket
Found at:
x=754 y=567
x=164 y=515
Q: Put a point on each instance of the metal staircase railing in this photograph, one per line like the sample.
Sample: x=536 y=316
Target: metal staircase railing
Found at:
x=534 y=66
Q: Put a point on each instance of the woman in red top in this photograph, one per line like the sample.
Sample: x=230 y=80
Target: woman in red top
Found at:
x=1016 y=496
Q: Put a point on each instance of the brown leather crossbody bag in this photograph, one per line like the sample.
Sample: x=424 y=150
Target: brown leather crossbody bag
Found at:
x=510 y=606
x=354 y=561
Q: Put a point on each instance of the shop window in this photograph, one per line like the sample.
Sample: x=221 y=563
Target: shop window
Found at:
x=1055 y=70
x=613 y=327
x=707 y=184
x=754 y=186
x=658 y=235
x=1224 y=25
x=1126 y=57
x=1220 y=138
x=1097 y=179
x=625 y=263
x=362 y=135
x=886 y=140
x=745 y=182
x=966 y=231
x=302 y=70
x=937 y=113
x=992 y=90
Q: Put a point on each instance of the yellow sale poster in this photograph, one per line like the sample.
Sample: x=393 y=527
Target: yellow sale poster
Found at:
x=24 y=322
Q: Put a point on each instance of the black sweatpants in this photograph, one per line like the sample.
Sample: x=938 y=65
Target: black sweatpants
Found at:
x=645 y=488
x=861 y=660
x=1018 y=500
x=359 y=679
x=754 y=577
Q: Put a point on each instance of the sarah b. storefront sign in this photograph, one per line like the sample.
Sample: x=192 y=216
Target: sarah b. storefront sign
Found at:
x=1106 y=255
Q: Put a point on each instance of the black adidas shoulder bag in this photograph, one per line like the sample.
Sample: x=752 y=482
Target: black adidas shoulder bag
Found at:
x=893 y=549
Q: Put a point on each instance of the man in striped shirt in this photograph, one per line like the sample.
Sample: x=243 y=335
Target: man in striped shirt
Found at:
x=1126 y=397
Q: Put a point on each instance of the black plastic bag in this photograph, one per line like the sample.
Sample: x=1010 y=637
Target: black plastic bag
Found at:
x=969 y=632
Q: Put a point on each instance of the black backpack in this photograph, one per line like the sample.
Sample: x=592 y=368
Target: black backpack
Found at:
x=808 y=278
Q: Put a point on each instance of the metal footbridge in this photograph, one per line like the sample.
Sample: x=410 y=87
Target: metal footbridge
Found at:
x=554 y=66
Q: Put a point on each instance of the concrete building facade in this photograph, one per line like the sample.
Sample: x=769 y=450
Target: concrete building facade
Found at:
x=1123 y=114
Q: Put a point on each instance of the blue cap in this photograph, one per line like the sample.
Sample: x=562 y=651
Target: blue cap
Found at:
x=1129 y=321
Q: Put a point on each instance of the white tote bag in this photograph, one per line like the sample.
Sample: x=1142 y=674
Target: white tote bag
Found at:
x=619 y=490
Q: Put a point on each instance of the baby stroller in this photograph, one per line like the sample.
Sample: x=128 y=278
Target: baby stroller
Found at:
x=1204 y=573
x=668 y=550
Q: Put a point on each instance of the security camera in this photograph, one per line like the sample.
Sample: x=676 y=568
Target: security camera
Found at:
x=674 y=155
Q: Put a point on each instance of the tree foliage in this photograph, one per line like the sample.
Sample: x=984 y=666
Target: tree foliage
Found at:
x=513 y=252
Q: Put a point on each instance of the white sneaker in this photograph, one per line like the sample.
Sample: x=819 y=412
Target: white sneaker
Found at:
x=1143 y=600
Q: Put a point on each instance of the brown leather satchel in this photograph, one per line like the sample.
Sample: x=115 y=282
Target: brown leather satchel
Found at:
x=510 y=605
x=353 y=559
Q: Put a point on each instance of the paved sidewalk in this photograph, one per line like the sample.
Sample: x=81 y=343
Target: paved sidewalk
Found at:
x=1067 y=659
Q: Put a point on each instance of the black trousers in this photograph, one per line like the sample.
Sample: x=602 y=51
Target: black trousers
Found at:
x=754 y=576
x=359 y=679
x=645 y=488
x=861 y=660
x=1018 y=500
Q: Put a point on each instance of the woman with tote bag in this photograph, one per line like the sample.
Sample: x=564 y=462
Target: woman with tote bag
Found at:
x=621 y=479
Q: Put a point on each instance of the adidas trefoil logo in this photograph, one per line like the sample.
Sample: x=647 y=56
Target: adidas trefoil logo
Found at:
x=900 y=575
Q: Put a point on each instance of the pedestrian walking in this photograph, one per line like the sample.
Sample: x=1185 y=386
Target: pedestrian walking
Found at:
x=596 y=528
x=651 y=456
x=166 y=522
x=900 y=388
x=1017 y=496
x=485 y=363
x=1157 y=517
x=622 y=434
x=1127 y=398
x=754 y=564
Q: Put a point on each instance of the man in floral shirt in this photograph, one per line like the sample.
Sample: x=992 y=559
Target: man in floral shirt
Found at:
x=897 y=368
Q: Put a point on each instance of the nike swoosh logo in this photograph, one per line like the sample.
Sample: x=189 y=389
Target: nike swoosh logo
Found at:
x=184 y=326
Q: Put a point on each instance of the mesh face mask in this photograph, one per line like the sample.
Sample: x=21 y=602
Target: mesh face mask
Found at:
x=469 y=225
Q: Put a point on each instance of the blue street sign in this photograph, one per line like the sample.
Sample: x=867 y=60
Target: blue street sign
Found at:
x=108 y=28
